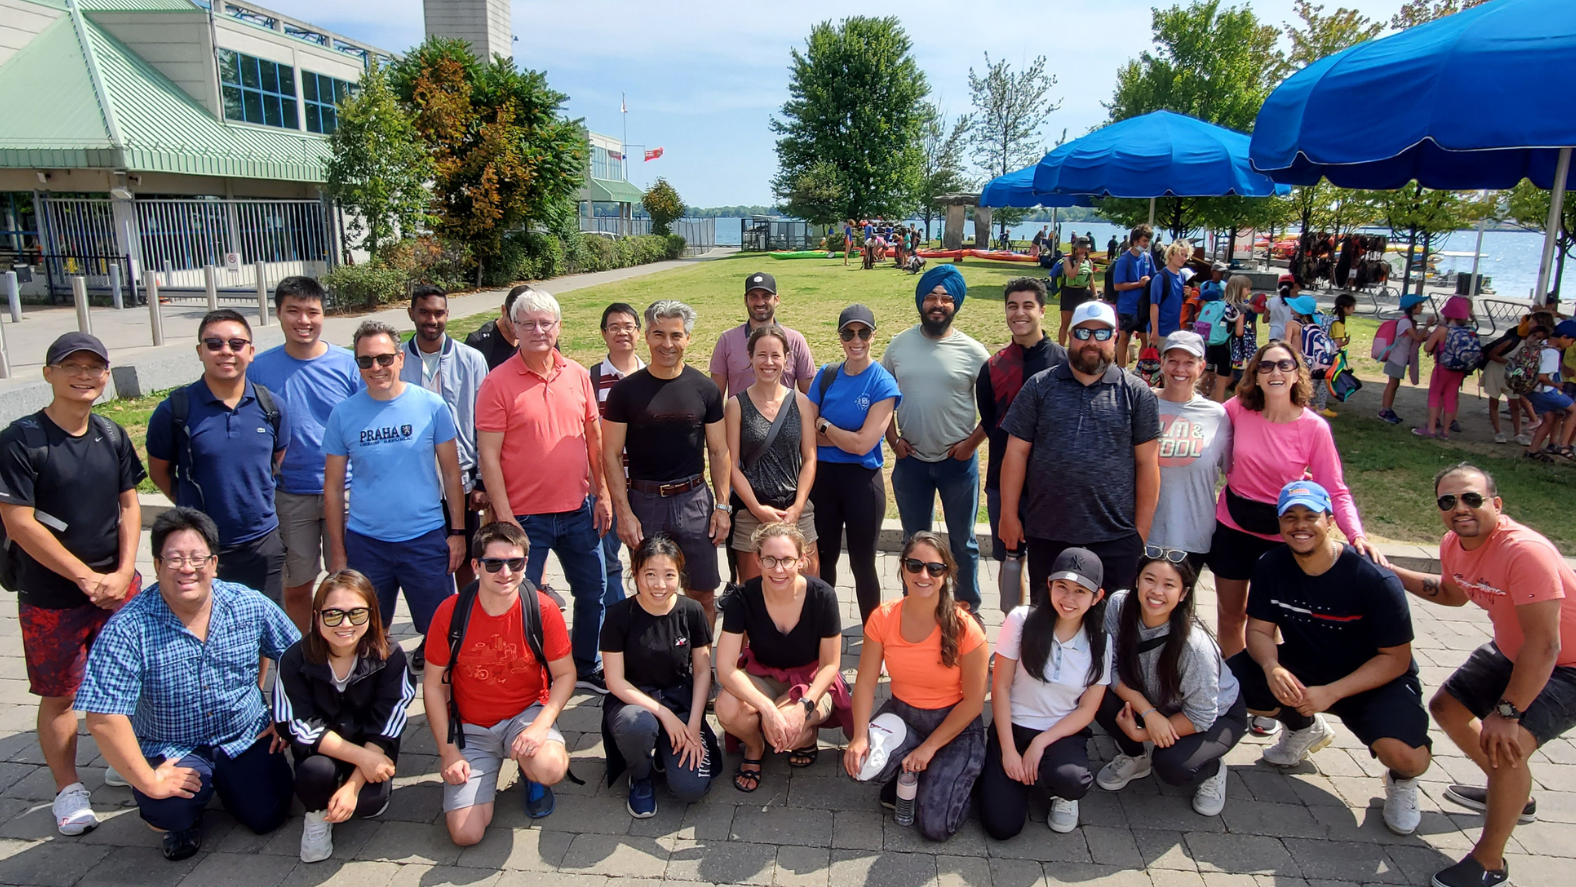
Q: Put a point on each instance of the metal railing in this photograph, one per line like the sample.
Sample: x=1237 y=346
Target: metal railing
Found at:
x=766 y=235
x=697 y=233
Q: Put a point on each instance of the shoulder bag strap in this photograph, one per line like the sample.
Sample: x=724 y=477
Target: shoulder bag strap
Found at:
x=771 y=433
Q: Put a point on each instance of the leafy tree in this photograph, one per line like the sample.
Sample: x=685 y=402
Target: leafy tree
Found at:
x=1417 y=12
x=1528 y=207
x=855 y=104
x=817 y=195
x=1009 y=111
x=942 y=170
x=663 y=204
x=1419 y=211
x=378 y=169
x=1324 y=34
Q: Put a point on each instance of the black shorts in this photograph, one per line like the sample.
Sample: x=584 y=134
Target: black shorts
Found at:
x=1217 y=358
x=1390 y=711
x=1480 y=682
x=1128 y=323
x=1072 y=297
x=687 y=518
x=1233 y=553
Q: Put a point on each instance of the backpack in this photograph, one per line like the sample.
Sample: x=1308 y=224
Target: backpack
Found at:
x=1342 y=382
x=1521 y=370
x=180 y=412
x=1148 y=367
x=1211 y=323
x=1384 y=340
x=1318 y=348
x=530 y=624
x=1461 y=351
x=824 y=383
x=36 y=442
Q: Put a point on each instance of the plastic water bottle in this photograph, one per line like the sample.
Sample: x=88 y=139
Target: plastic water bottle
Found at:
x=907 y=789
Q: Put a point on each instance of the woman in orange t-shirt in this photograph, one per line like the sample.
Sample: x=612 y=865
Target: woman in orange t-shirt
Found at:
x=936 y=656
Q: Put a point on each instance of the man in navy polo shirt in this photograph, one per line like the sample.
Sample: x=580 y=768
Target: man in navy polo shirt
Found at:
x=215 y=445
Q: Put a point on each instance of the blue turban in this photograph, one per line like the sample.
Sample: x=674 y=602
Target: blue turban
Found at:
x=945 y=276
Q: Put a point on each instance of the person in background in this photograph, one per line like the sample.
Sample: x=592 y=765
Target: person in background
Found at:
x=854 y=401
x=938 y=692
x=1345 y=305
x=1132 y=271
x=496 y=339
x=1286 y=288
x=1215 y=287
x=1444 y=384
x=454 y=372
x=932 y=431
x=1497 y=356
x=310 y=377
x=1073 y=277
x=620 y=332
x=1195 y=445
x=1517 y=692
x=68 y=500
x=1554 y=408
x=340 y=700
x=731 y=365
x=1402 y=355
x=1111 y=249
x=1166 y=292
x=848 y=240
x=1053 y=665
x=179 y=733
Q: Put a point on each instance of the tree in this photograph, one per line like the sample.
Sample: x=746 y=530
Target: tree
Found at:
x=1419 y=211
x=941 y=172
x=663 y=204
x=1321 y=35
x=1418 y=12
x=377 y=168
x=817 y=195
x=1528 y=207
x=855 y=103
x=1009 y=111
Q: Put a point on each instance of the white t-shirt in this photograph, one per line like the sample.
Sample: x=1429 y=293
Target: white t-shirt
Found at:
x=1549 y=365
x=1039 y=705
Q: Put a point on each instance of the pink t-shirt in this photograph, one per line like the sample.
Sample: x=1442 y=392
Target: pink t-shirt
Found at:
x=731 y=359
x=1267 y=456
x=1515 y=566
x=546 y=466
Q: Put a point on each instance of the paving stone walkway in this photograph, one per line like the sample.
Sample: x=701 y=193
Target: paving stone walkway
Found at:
x=1318 y=825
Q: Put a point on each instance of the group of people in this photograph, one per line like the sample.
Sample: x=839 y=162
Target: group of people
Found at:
x=434 y=466
x=872 y=238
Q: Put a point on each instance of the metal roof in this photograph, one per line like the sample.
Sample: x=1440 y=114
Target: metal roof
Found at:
x=613 y=191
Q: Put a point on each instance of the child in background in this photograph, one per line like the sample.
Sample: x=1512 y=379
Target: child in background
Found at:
x=1410 y=332
x=1444 y=384
x=1244 y=339
x=1345 y=304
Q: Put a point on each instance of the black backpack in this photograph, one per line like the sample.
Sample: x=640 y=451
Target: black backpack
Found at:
x=37 y=443
x=180 y=412
x=531 y=623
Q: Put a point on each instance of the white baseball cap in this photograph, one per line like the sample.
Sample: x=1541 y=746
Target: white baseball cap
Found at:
x=1098 y=312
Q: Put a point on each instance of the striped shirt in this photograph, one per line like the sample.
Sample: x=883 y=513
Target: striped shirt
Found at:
x=608 y=376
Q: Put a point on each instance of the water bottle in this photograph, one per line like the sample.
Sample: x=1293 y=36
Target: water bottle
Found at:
x=907 y=788
x=1011 y=577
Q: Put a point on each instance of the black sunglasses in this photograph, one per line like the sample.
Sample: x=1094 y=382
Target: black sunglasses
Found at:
x=1084 y=334
x=914 y=565
x=1158 y=553
x=384 y=360
x=332 y=618
x=863 y=332
x=1447 y=502
x=217 y=344
x=494 y=564
x=1285 y=365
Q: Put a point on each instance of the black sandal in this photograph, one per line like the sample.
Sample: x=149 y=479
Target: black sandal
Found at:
x=1541 y=456
x=801 y=758
x=753 y=777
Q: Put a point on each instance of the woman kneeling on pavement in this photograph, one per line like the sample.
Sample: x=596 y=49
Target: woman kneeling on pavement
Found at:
x=656 y=656
x=783 y=687
x=340 y=696
x=936 y=656
x=1172 y=688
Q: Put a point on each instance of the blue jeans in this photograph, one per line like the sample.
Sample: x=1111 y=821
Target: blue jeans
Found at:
x=255 y=787
x=572 y=536
x=915 y=485
x=420 y=566
x=614 y=592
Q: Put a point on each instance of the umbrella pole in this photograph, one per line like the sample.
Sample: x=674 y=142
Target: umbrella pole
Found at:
x=1551 y=232
x=1152 y=210
x=1477 y=252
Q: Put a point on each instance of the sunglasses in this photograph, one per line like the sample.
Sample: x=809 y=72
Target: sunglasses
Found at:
x=1157 y=553
x=216 y=344
x=1447 y=502
x=384 y=360
x=1285 y=365
x=863 y=333
x=494 y=564
x=1083 y=334
x=333 y=618
x=914 y=565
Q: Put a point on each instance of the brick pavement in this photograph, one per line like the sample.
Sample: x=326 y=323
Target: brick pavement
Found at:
x=1316 y=826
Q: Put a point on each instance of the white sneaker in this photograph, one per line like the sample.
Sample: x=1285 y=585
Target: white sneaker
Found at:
x=74 y=810
x=1524 y=440
x=886 y=733
x=1064 y=816
x=1210 y=796
x=1123 y=769
x=113 y=778
x=317 y=837
x=1501 y=437
x=1401 y=813
x=1296 y=745
x=1263 y=726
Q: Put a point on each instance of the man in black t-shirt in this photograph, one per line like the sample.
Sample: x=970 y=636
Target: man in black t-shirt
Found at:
x=668 y=419
x=495 y=339
x=68 y=498
x=1347 y=650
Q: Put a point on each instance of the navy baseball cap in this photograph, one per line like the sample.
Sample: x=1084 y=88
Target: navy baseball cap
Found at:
x=1079 y=565
x=70 y=343
x=1305 y=493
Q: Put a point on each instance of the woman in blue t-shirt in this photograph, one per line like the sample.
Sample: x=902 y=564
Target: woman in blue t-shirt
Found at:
x=855 y=400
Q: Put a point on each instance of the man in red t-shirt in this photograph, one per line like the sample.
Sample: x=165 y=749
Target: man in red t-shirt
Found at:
x=1516 y=692
x=507 y=700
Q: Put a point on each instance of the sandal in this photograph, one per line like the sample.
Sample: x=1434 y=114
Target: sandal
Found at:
x=748 y=780
x=1541 y=456
x=801 y=758
x=1565 y=453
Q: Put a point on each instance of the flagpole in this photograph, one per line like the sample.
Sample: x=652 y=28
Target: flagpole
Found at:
x=623 y=108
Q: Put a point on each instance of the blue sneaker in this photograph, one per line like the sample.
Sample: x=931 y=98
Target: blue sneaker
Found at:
x=642 y=798
x=539 y=800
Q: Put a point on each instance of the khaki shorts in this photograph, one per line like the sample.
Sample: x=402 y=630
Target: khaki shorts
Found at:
x=305 y=540
x=486 y=748
x=775 y=690
x=1494 y=382
x=745 y=523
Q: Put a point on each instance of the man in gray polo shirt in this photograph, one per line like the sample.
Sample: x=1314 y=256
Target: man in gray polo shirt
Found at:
x=1085 y=435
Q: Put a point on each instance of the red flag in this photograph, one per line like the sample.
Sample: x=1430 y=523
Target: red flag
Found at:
x=653 y=154
x=614 y=155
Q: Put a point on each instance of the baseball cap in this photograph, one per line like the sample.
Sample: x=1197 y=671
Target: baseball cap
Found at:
x=856 y=313
x=1098 y=312
x=760 y=280
x=1305 y=493
x=1079 y=565
x=1187 y=340
x=70 y=343
x=1219 y=266
x=1565 y=329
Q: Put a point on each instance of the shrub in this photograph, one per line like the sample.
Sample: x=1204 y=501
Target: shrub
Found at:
x=428 y=259
x=366 y=286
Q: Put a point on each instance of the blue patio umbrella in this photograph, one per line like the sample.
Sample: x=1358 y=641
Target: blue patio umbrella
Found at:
x=1017 y=189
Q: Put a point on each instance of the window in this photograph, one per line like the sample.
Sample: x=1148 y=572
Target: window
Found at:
x=321 y=94
x=257 y=90
x=604 y=165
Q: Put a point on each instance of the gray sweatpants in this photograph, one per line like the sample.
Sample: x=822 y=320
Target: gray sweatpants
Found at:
x=947 y=784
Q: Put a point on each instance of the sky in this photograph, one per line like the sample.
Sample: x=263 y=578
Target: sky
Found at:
x=703 y=79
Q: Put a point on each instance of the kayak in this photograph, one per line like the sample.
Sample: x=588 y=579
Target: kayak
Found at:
x=1001 y=255
x=806 y=254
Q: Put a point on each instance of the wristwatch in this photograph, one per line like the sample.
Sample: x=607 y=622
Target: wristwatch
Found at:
x=725 y=508
x=809 y=707
x=1508 y=710
x=822 y=425
x=456 y=532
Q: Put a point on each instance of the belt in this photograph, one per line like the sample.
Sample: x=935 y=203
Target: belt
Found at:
x=667 y=488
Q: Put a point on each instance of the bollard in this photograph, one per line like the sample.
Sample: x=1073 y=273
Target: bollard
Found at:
x=114 y=286
x=79 y=295
x=150 y=285
x=262 y=294
x=13 y=296
x=210 y=279
x=5 y=352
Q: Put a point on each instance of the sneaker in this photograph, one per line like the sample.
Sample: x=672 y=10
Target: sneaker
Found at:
x=642 y=799
x=1123 y=769
x=889 y=794
x=886 y=732
x=1263 y=726
x=1501 y=437
x=1474 y=797
x=1390 y=416
x=418 y=658
x=317 y=837
x=1210 y=796
x=1064 y=816
x=1455 y=427
x=1523 y=440
x=555 y=597
x=1328 y=413
x=1401 y=813
x=593 y=681
x=113 y=778
x=539 y=800
x=1470 y=873
x=182 y=844
x=1296 y=745
x=74 y=810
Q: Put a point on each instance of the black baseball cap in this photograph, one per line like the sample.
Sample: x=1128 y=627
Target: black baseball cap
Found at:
x=1081 y=566
x=856 y=313
x=71 y=343
x=760 y=280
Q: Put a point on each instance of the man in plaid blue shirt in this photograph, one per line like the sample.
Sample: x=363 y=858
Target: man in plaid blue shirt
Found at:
x=172 y=691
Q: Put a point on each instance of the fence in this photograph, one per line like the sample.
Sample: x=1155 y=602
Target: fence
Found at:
x=765 y=235
x=698 y=234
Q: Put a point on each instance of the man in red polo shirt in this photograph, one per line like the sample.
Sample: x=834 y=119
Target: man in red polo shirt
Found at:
x=540 y=445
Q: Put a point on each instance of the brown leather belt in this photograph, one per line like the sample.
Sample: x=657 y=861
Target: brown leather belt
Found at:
x=668 y=488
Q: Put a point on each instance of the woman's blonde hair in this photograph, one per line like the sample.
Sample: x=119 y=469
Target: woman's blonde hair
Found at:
x=1237 y=289
x=778 y=529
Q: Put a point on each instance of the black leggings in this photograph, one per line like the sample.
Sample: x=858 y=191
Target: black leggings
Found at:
x=317 y=777
x=850 y=497
x=1064 y=773
x=1191 y=759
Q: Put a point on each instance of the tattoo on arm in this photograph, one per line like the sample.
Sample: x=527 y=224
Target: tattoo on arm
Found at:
x=1431 y=586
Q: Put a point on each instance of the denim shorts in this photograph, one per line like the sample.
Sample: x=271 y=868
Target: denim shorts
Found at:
x=1480 y=682
x=1547 y=401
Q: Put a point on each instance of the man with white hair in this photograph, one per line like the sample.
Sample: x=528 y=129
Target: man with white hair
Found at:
x=540 y=442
